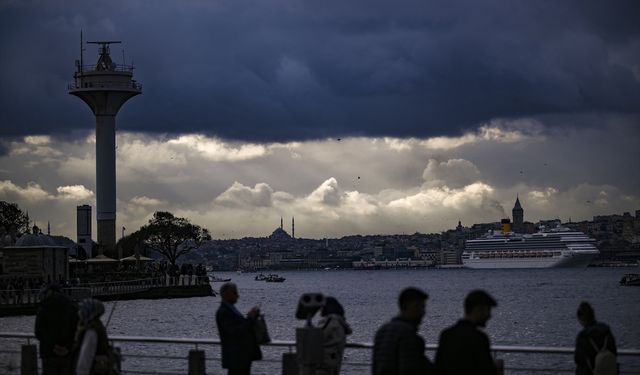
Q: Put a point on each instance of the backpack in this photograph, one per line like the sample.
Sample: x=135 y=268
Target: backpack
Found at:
x=605 y=362
x=108 y=363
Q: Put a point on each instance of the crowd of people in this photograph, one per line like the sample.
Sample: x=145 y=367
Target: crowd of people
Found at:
x=398 y=349
x=73 y=339
x=18 y=289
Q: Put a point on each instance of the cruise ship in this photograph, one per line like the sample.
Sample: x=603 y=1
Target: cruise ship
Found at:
x=558 y=247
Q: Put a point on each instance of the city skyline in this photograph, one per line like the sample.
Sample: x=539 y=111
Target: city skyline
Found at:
x=401 y=119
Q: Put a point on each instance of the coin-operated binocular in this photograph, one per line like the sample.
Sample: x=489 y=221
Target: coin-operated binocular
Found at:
x=308 y=305
x=309 y=339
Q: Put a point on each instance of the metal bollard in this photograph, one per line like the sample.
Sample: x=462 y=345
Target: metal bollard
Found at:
x=289 y=364
x=196 y=362
x=29 y=360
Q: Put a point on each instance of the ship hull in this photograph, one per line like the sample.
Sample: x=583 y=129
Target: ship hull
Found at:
x=574 y=260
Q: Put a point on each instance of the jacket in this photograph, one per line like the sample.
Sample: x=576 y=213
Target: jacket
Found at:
x=585 y=353
x=334 y=331
x=56 y=324
x=464 y=349
x=399 y=350
x=239 y=347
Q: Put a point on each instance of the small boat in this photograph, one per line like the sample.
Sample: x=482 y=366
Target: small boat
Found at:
x=630 y=279
x=273 y=278
x=260 y=277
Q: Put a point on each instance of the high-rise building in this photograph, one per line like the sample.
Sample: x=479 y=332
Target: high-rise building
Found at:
x=83 y=218
x=105 y=87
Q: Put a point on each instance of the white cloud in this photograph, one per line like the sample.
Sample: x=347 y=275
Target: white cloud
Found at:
x=500 y=131
x=37 y=140
x=75 y=192
x=238 y=195
x=30 y=193
x=217 y=150
x=404 y=185
x=326 y=194
x=146 y=201
x=453 y=173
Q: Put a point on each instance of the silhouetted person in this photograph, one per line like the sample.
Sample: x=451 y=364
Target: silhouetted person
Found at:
x=56 y=324
x=239 y=346
x=397 y=348
x=334 y=331
x=463 y=348
x=92 y=342
x=591 y=339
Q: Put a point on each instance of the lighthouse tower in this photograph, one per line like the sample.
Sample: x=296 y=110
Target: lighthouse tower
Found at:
x=105 y=87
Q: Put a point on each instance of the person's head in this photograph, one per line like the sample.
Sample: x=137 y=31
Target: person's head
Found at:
x=412 y=303
x=477 y=307
x=229 y=293
x=332 y=306
x=585 y=314
x=89 y=309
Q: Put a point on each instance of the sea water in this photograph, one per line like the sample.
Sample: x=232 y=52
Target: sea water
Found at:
x=536 y=307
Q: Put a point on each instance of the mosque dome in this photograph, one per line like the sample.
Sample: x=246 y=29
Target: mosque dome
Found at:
x=279 y=234
x=40 y=240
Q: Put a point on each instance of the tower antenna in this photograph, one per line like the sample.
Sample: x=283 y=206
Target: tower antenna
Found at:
x=81 y=52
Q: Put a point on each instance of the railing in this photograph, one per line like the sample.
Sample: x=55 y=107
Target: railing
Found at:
x=117 y=68
x=105 y=85
x=32 y=296
x=139 y=357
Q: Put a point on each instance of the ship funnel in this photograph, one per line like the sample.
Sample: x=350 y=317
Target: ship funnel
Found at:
x=506 y=225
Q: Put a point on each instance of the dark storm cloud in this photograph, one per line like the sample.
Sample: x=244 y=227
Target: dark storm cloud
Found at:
x=282 y=70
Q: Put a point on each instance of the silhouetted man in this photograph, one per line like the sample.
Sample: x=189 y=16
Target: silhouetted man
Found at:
x=239 y=347
x=398 y=349
x=56 y=324
x=464 y=349
x=593 y=337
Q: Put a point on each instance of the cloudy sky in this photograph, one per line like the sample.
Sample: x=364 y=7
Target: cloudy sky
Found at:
x=353 y=116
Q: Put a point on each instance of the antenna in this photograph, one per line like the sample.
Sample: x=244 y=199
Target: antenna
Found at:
x=81 y=52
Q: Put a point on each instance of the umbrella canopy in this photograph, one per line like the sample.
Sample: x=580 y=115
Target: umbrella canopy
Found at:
x=101 y=259
x=132 y=258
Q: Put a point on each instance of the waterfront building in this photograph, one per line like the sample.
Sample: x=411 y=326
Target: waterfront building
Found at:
x=35 y=257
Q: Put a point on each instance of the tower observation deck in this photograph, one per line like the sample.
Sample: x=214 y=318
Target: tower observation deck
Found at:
x=105 y=87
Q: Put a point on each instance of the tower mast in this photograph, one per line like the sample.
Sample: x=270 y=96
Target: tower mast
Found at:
x=105 y=88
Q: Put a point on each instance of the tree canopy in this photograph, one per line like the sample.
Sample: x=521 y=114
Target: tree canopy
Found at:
x=172 y=236
x=11 y=216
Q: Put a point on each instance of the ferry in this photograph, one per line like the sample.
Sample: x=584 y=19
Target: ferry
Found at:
x=558 y=247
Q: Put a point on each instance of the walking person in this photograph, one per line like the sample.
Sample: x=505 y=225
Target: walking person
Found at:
x=239 y=346
x=397 y=348
x=464 y=348
x=55 y=329
x=92 y=351
x=334 y=331
x=596 y=349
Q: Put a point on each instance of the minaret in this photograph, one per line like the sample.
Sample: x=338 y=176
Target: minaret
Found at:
x=293 y=227
x=518 y=216
x=105 y=87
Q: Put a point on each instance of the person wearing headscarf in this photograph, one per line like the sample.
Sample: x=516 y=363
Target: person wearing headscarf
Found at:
x=91 y=336
x=334 y=330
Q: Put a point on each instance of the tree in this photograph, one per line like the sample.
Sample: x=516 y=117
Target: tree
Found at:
x=129 y=243
x=12 y=218
x=172 y=236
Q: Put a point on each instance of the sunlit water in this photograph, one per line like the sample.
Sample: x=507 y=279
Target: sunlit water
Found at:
x=535 y=307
